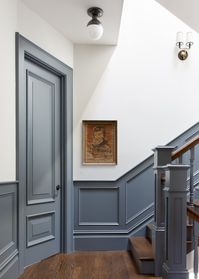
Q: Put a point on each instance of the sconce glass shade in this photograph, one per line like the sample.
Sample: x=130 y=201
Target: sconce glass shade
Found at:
x=189 y=39
x=179 y=38
x=95 y=31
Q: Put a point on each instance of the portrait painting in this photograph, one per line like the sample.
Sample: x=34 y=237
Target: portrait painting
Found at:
x=100 y=142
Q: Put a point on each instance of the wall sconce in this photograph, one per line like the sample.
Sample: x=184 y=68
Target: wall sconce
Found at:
x=95 y=28
x=183 y=53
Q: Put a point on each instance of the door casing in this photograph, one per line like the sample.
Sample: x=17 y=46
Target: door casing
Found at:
x=27 y=50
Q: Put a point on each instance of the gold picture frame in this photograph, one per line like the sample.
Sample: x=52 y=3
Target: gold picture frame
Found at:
x=99 y=142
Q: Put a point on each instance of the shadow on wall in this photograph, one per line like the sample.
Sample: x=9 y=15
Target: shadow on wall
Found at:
x=90 y=62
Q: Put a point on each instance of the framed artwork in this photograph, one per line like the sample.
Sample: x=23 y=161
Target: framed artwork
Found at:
x=99 y=142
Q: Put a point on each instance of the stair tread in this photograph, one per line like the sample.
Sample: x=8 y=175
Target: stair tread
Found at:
x=142 y=248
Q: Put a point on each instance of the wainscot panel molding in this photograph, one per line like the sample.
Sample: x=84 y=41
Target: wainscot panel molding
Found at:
x=92 y=213
x=107 y=213
x=8 y=229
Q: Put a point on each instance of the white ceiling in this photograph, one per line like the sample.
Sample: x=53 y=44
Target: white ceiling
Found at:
x=186 y=10
x=70 y=18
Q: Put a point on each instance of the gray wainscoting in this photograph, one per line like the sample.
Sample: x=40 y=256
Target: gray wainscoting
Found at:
x=107 y=213
x=8 y=229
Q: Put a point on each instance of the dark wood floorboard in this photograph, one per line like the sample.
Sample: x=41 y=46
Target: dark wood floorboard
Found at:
x=85 y=265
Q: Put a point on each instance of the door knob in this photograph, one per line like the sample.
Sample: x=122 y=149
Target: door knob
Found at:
x=58 y=187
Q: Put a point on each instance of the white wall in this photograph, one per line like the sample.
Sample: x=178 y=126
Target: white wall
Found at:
x=153 y=95
x=34 y=28
x=14 y=16
x=8 y=26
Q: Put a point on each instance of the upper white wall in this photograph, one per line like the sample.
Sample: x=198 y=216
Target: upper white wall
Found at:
x=142 y=84
x=37 y=30
x=8 y=26
x=15 y=17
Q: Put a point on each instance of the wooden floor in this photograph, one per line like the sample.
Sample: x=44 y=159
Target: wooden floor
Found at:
x=85 y=265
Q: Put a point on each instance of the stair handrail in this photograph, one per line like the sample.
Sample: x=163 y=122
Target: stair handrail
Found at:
x=190 y=145
x=184 y=148
x=193 y=214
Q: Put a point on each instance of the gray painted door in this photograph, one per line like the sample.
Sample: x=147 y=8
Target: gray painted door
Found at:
x=42 y=210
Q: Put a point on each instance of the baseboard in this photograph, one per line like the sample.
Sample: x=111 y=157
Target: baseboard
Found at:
x=85 y=243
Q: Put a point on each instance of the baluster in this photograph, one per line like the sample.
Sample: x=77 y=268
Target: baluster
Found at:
x=180 y=160
x=191 y=177
x=195 y=239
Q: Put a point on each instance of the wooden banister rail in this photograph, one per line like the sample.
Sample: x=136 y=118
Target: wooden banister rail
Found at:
x=177 y=153
x=193 y=214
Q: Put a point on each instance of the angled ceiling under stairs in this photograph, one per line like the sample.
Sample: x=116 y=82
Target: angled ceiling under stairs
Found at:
x=186 y=10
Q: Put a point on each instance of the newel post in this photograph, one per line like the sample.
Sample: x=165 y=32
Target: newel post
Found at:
x=162 y=157
x=174 y=265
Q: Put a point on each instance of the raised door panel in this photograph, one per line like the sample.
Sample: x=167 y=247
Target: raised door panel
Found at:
x=40 y=139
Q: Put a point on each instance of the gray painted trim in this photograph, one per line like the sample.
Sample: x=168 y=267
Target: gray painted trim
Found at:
x=30 y=51
x=9 y=259
x=101 y=243
x=113 y=240
x=149 y=208
x=192 y=136
x=99 y=223
x=9 y=182
x=11 y=269
x=127 y=232
x=10 y=264
x=30 y=243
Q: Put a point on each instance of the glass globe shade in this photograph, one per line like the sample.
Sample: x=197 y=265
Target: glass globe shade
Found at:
x=95 y=31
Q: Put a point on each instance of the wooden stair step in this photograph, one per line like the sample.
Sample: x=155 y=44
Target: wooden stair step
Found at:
x=142 y=247
x=142 y=253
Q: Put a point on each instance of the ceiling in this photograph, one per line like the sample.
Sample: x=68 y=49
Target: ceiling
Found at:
x=186 y=10
x=70 y=18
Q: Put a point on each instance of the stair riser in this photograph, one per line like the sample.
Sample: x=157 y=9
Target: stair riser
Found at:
x=147 y=267
x=149 y=233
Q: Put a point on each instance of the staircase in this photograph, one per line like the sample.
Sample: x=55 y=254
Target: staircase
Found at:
x=158 y=251
x=142 y=250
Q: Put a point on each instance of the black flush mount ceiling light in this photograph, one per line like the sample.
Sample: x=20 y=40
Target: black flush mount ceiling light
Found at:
x=95 y=28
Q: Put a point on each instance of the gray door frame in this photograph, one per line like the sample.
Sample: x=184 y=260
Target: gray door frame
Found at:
x=27 y=50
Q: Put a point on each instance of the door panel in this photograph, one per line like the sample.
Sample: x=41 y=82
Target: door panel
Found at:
x=43 y=163
x=41 y=139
